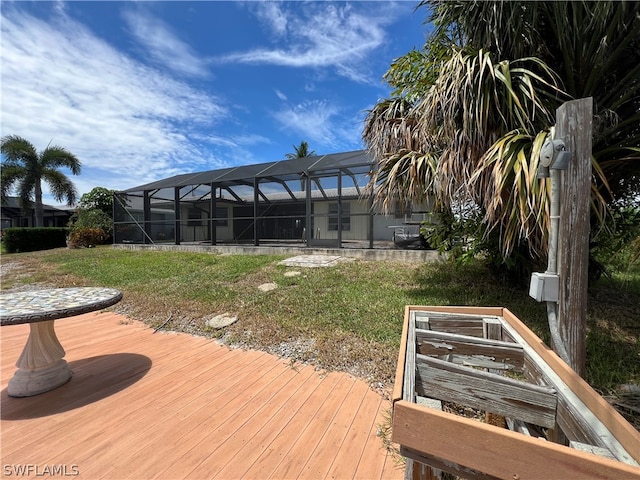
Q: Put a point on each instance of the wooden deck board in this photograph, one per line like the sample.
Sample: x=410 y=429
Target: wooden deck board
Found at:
x=295 y=459
x=372 y=464
x=278 y=448
x=356 y=438
x=163 y=405
x=177 y=402
x=334 y=435
x=219 y=423
x=245 y=456
x=170 y=381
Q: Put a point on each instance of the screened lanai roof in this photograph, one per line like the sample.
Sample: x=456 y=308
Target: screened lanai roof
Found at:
x=283 y=170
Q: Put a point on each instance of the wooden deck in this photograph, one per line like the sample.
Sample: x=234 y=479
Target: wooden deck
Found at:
x=143 y=405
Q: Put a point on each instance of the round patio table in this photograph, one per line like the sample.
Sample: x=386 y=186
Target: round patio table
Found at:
x=41 y=366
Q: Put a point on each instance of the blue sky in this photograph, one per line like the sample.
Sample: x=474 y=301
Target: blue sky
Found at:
x=145 y=90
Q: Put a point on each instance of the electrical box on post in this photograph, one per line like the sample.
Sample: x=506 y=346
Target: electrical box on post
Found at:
x=544 y=287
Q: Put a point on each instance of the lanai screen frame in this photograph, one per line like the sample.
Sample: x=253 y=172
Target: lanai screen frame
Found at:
x=154 y=212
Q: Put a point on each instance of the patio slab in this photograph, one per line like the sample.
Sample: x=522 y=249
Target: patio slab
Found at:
x=313 y=261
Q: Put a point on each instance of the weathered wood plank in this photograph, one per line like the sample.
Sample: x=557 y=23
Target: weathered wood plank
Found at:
x=492 y=328
x=439 y=465
x=441 y=343
x=476 y=361
x=415 y=470
x=583 y=447
x=583 y=414
x=579 y=404
x=525 y=428
x=398 y=386
x=409 y=390
x=497 y=452
x=574 y=125
x=459 y=324
x=486 y=391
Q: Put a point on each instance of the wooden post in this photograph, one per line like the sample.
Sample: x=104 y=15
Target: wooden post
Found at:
x=574 y=125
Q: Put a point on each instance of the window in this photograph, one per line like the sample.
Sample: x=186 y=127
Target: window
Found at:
x=333 y=217
x=221 y=216
x=194 y=217
x=401 y=209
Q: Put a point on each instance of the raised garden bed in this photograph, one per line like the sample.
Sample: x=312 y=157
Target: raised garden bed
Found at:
x=556 y=425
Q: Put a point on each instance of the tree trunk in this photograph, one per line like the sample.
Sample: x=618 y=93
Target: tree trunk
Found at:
x=39 y=208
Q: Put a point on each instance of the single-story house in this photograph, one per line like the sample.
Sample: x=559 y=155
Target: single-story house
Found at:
x=11 y=215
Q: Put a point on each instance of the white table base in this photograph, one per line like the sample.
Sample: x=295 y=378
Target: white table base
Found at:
x=41 y=366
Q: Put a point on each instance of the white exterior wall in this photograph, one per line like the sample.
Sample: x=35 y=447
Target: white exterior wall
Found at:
x=200 y=233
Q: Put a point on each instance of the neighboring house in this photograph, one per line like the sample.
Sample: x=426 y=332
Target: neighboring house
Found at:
x=12 y=215
x=317 y=201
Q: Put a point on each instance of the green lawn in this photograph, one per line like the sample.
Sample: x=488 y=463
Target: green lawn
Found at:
x=345 y=317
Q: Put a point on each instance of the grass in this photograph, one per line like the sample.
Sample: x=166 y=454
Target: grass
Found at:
x=347 y=317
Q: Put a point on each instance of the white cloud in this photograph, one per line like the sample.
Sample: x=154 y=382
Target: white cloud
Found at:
x=125 y=121
x=281 y=95
x=162 y=44
x=325 y=35
x=236 y=140
x=273 y=16
x=312 y=119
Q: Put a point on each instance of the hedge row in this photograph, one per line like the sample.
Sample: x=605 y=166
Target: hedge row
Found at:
x=30 y=239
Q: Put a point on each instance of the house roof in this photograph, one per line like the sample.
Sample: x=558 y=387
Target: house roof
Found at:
x=14 y=203
x=282 y=169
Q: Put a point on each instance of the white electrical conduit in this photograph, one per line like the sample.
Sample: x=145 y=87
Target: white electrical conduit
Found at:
x=552 y=264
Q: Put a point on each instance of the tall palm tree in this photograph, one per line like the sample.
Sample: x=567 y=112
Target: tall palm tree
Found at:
x=24 y=168
x=301 y=151
x=481 y=97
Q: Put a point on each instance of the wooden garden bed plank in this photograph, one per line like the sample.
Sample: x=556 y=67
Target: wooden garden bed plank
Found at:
x=497 y=452
x=442 y=343
x=486 y=391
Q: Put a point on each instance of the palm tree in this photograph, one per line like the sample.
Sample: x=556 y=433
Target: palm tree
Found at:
x=301 y=151
x=479 y=99
x=24 y=168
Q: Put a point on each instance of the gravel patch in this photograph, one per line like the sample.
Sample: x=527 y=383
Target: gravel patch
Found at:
x=14 y=270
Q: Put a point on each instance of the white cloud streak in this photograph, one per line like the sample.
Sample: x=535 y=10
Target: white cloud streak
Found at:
x=125 y=121
x=327 y=35
x=313 y=120
x=163 y=45
x=273 y=16
x=280 y=95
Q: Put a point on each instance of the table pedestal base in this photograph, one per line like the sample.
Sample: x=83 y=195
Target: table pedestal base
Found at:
x=40 y=367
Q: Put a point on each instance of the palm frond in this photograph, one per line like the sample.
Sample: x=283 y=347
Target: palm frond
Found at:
x=403 y=177
x=513 y=198
x=61 y=187
x=55 y=157
x=16 y=150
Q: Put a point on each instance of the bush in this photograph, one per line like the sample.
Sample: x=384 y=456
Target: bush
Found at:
x=616 y=247
x=30 y=239
x=92 y=218
x=87 y=237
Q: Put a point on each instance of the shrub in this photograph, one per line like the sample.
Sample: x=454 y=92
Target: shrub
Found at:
x=92 y=218
x=30 y=239
x=86 y=237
